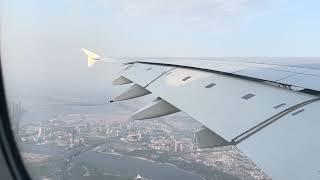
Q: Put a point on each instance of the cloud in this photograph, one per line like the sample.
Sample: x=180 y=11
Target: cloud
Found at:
x=187 y=7
x=188 y=11
x=193 y=20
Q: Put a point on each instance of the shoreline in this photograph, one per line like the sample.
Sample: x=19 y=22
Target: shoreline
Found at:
x=145 y=159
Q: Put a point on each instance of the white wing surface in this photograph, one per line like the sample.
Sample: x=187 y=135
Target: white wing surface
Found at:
x=269 y=111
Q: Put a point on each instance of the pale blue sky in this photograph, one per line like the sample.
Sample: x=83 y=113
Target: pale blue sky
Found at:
x=175 y=27
x=41 y=40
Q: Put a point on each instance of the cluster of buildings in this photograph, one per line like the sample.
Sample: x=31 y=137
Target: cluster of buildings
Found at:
x=172 y=144
x=52 y=135
x=78 y=130
x=73 y=130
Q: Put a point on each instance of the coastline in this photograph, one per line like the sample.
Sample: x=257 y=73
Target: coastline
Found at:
x=145 y=159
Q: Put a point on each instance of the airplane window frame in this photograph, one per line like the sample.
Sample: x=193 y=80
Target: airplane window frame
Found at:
x=10 y=151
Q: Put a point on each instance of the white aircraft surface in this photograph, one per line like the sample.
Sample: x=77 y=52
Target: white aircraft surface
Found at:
x=269 y=108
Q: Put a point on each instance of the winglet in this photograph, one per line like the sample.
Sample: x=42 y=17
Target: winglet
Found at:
x=92 y=57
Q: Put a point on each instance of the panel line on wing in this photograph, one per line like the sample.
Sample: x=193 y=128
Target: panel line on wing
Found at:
x=164 y=73
x=243 y=136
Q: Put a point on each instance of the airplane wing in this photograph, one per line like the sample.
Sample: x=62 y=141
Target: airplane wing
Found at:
x=269 y=111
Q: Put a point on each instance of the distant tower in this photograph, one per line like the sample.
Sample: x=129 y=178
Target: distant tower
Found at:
x=176 y=146
x=181 y=147
x=39 y=131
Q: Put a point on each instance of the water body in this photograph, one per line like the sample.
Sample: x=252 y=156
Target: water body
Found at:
x=48 y=149
x=47 y=111
x=126 y=166
x=131 y=166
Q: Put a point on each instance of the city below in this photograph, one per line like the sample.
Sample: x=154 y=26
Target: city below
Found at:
x=73 y=145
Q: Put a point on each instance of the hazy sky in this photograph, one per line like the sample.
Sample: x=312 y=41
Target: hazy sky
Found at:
x=41 y=40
